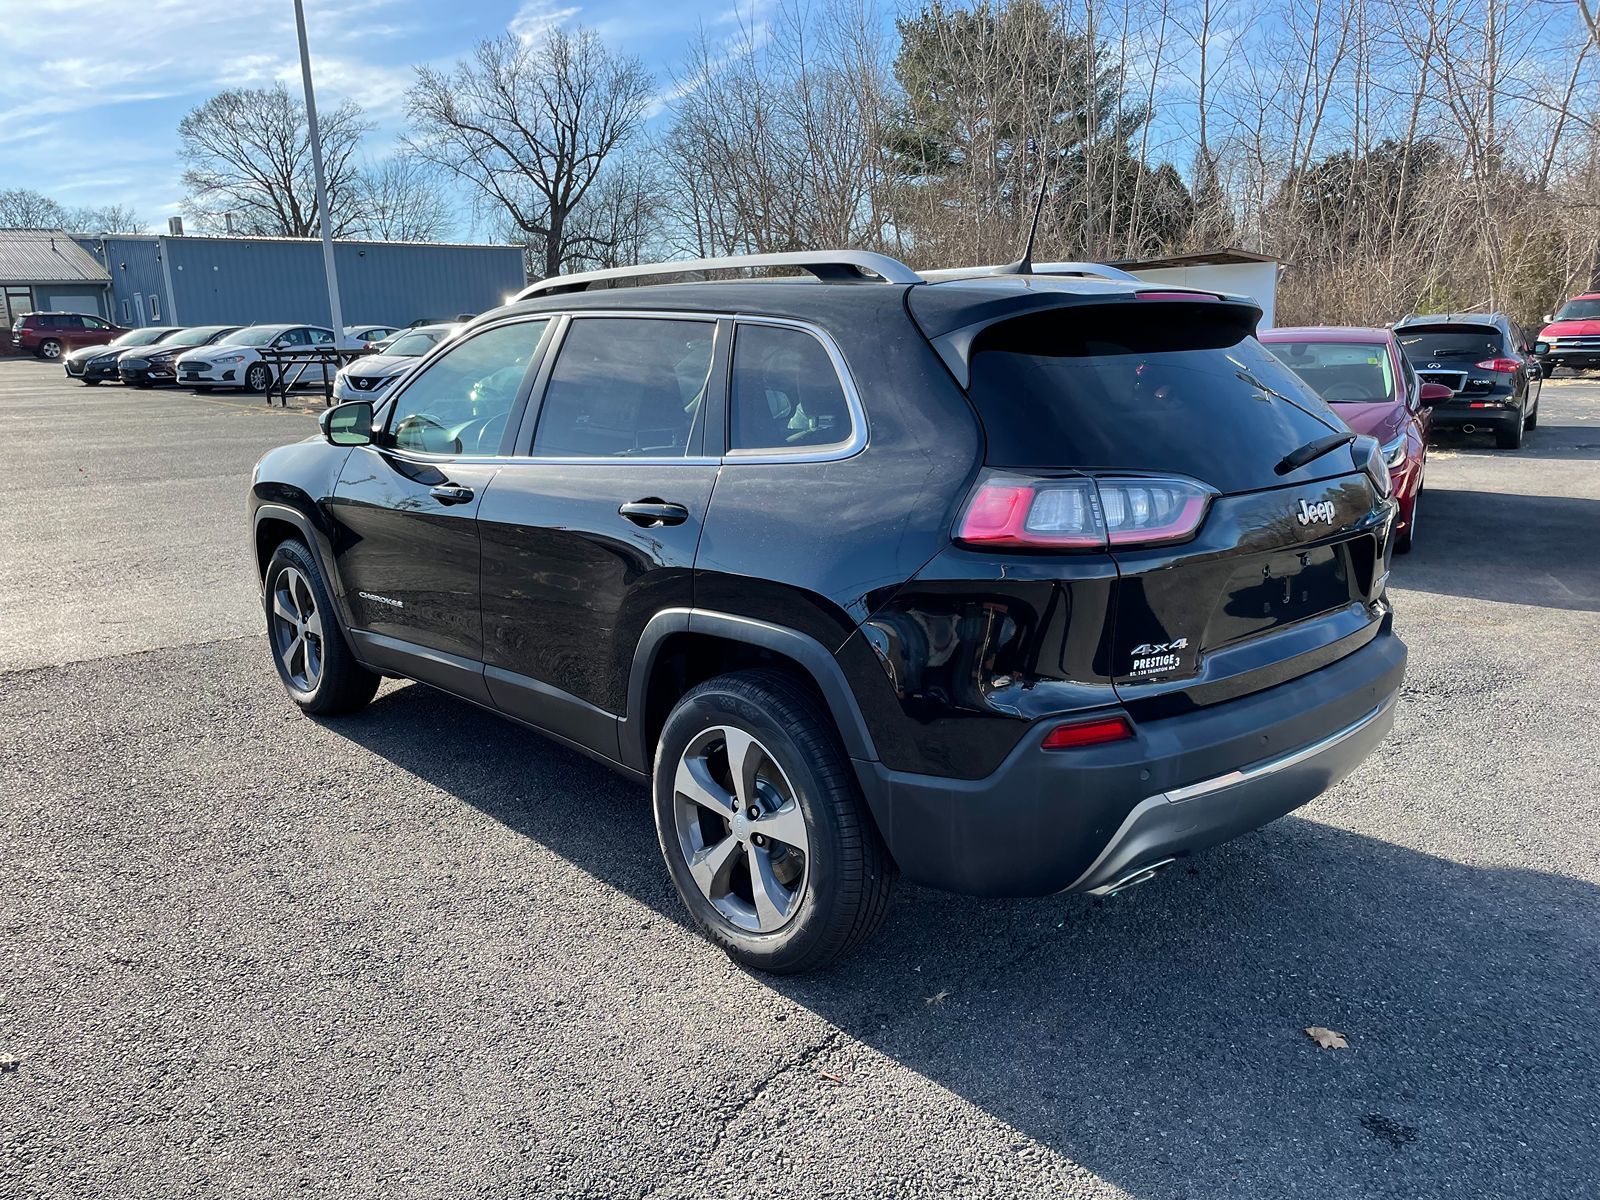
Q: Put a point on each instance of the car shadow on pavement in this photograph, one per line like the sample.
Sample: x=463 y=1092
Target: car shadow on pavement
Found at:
x=1157 y=1038
x=1507 y=547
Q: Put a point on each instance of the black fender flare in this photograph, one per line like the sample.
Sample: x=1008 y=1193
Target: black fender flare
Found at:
x=811 y=654
x=314 y=537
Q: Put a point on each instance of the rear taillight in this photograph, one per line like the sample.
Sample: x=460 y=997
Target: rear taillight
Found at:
x=1096 y=731
x=1501 y=366
x=1081 y=512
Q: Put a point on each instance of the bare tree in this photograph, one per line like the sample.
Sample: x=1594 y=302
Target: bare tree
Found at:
x=110 y=218
x=531 y=125
x=247 y=152
x=402 y=200
x=24 y=208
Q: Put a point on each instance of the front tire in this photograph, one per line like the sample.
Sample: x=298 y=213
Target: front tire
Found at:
x=762 y=824
x=90 y=382
x=1403 y=543
x=257 y=377
x=314 y=662
x=1533 y=417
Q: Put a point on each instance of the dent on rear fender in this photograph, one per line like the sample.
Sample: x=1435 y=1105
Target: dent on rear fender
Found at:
x=952 y=673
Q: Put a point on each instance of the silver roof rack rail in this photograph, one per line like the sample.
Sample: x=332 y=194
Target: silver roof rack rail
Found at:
x=833 y=266
x=1087 y=269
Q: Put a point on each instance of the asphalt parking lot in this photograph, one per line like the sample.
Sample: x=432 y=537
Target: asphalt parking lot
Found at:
x=420 y=952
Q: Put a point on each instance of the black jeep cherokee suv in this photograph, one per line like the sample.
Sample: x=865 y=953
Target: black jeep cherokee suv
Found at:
x=1015 y=583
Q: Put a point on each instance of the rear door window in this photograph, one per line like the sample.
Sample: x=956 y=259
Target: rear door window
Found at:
x=626 y=387
x=1172 y=388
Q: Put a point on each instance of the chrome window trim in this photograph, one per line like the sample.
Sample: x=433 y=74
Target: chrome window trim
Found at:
x=834 y=452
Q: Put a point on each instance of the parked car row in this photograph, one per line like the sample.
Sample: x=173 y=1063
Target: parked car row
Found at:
x=210 y=357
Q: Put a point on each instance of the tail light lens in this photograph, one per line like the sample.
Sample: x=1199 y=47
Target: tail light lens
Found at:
x=1081 y=512
x=1501 y=366
x=1096 y=731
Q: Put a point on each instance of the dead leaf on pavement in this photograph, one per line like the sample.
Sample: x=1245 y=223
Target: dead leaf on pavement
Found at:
x=831 y=1077
x=938 y=997
x=1328 y=1039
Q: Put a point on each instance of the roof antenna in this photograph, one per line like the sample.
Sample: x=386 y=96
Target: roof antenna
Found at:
x=1024 y=265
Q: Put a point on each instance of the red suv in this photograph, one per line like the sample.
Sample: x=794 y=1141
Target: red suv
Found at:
x=1572 y=337
x=1368 y=381
x=50 y=334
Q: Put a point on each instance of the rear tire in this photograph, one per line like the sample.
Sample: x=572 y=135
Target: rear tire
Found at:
x=1511 y=439
x=814 y=902
x=50 y=349
x=308 y=647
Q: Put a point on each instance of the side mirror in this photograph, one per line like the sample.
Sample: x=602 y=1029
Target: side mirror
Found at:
x=1431 y=394
x=348 y=424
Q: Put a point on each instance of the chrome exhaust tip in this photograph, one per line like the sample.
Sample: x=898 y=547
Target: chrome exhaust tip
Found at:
x=1469 y=429
x=1133 y=878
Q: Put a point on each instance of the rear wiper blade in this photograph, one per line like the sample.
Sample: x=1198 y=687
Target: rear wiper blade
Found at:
x=1311 y=451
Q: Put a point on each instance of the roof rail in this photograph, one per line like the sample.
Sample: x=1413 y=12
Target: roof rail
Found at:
x=1089 y=269
x=832 y=266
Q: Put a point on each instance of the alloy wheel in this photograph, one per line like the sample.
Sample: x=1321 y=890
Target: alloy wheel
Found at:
x=297 y=629
x=50 y=350
x=741 y=830
x=258 y=378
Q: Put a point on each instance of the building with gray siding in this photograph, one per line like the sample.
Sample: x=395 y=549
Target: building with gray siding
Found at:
x=180 y=280
x=43 y=270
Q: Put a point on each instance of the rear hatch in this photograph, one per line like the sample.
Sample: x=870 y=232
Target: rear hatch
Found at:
x=1455 y=355
x=1176 y=413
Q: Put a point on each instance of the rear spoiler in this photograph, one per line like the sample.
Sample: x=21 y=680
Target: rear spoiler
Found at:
x=955 y=345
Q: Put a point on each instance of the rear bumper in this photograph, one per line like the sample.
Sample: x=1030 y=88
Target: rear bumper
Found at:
x=1501 y=415
x=1082 y=820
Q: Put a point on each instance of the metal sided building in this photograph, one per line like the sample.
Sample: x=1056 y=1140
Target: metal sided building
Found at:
x=44 y=270
x=178 y=280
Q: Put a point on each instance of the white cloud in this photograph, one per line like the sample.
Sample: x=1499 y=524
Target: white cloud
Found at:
x=537 y=17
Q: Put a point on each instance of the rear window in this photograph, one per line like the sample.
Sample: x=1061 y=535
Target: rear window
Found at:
x=1179 y=388
x=1424 y=343
x=1340 y=371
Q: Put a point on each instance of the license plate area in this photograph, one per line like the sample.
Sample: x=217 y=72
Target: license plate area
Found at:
x=1279 y=589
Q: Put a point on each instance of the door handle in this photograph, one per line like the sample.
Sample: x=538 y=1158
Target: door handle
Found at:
x=652 y=512
x=451 y=493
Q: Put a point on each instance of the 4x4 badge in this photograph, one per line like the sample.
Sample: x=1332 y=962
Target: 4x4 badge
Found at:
x=1310 y=514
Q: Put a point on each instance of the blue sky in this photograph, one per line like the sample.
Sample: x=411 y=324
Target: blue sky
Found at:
x=92 y=90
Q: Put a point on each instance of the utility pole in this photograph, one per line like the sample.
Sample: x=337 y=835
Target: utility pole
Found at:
x=322 y=188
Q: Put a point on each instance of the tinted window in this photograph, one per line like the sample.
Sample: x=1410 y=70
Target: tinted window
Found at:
x=1428 y=342
x=88 y=322
x=785 y=392
x=291 y=337
x=1185 y=389
x=318 y=337
x=460 y=403
x=625 y=386
x=1338 y=371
